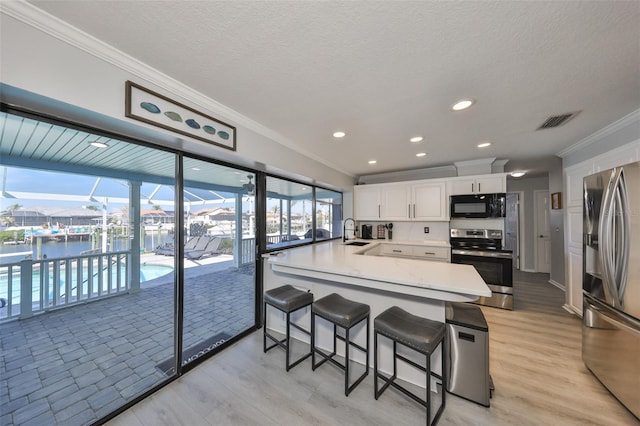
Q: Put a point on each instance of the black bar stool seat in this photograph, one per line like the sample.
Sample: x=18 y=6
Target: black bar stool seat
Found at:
x=287 y=299
x=419 y=334
x=343 y=313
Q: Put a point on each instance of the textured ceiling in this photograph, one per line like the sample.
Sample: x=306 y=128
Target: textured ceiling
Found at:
x=386 y=71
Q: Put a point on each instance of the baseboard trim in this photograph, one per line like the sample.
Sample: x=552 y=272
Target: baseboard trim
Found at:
x=557 y=284
x=528 y=270
x=572 y=310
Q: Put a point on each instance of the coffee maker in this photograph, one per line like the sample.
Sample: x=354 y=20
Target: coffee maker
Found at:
x=367 y=231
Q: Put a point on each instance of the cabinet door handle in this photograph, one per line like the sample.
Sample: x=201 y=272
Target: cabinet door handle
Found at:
x=378 y=210
x=396 y=251
x=472 y=187
x=414 y=211
x=479 y=190
x=430 y=253
x=409 y=210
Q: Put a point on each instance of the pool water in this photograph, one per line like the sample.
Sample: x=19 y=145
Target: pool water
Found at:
x=147 y=273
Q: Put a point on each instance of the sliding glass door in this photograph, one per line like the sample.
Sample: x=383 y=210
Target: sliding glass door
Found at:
x=218 y=256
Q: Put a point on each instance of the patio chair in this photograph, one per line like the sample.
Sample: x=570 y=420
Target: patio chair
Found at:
x=189 y=245
x=209 y=250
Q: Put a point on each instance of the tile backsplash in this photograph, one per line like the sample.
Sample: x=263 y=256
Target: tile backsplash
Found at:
x=414 y=231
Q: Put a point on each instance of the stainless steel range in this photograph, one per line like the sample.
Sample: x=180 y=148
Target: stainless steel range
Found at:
x=482 y=248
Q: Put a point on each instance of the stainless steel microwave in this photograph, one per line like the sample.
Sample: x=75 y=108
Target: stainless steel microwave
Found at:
x=478 y=206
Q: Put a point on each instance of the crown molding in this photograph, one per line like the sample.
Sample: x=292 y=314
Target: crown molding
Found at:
x=61 y=30
x=602 y=133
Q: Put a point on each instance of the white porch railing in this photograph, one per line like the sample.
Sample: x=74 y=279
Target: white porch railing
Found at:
x=33 y=286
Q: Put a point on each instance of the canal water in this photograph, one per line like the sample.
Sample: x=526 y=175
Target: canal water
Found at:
x=10 y=253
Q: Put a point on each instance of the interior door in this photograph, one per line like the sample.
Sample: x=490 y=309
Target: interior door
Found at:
x=543 y=237
x=512 y=228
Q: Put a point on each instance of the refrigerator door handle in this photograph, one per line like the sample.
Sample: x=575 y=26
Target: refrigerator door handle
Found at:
x=624 y=232
x=604 y=243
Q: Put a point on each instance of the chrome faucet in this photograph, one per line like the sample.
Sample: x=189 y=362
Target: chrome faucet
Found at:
x=344 y=229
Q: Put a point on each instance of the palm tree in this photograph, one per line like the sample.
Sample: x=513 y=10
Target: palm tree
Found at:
x=12 y=208
x=7 y=220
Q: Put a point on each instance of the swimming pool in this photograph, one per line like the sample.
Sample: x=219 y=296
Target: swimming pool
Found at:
x=147 y=273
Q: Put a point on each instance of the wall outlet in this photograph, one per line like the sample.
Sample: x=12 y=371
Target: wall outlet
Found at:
x=426 y=229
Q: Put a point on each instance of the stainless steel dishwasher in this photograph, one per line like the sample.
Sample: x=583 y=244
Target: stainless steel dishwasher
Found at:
x=468 y=351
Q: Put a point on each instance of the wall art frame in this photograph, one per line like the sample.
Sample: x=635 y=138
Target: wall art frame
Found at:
x=556 y=200
x=150 y=107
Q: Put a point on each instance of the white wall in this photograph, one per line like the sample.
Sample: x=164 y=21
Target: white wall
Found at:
x=80 y=79
x=556 y=220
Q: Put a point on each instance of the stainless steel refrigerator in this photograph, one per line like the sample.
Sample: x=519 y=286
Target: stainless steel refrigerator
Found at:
x=611 y=282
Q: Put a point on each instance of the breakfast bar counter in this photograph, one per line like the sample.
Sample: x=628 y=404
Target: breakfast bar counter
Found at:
x=421 y=287
x=346 y=264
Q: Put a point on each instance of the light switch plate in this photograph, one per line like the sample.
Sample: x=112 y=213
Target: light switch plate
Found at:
x=426 y=229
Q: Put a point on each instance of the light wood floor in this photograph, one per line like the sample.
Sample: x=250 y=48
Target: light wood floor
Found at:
x=536 y=368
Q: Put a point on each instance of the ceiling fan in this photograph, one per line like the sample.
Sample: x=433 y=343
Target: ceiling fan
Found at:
x=249 y=187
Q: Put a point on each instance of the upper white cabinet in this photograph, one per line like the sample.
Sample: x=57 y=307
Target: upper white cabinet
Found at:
x=420 y=200
x=366 y=204
x=396 y=198
x=483 y=184
x=429 y=201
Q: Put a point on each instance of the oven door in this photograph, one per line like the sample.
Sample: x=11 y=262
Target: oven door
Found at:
x=496 y=269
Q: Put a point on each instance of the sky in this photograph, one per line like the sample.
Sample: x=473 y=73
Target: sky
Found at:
x=55 y=184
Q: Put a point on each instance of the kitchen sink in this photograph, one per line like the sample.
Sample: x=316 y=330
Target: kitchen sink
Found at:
x=356 y=243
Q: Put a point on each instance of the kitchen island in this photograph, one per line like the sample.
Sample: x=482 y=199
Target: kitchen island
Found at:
x=421 y=287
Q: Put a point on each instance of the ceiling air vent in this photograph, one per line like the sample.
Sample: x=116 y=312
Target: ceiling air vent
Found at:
x=557 y=120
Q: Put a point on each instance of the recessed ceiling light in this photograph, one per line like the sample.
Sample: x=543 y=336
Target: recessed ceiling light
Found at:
x=484 y=144
x=421 y=154
x=339 y=134
x=462 y=104
x=372 y=161
x=517 y=174
x=98 y=144
x=195 y=168
x=416 y=139
x=304 y=188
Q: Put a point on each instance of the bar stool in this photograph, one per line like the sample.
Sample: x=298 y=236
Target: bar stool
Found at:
x=419 y=334
x=343 y=313
x=287 y=299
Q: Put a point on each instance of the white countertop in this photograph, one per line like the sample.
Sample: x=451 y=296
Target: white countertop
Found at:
x=429 y=243
x=335 y=261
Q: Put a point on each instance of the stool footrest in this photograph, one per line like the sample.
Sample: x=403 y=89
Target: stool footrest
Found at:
x=346 y=314
x=287 y=300
x=420 y=335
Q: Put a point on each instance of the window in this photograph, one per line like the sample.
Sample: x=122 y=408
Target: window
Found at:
x=298 y=213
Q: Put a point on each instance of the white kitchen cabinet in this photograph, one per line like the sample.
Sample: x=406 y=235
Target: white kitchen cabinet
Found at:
x=442 y=254
x=423 y=252
x=396 y=198
x=366 y=205
x=403 y=201
x=429 y=201
x=482 y=184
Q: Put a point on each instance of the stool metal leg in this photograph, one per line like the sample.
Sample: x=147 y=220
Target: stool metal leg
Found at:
x=286 y=342
x=346 y=362
x=330 y=356
x=390 y=381
x=313 y=341
x=428 y=389
x=375 y=365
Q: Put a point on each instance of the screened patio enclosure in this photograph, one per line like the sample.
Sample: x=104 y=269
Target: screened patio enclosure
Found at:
x=120 y=264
